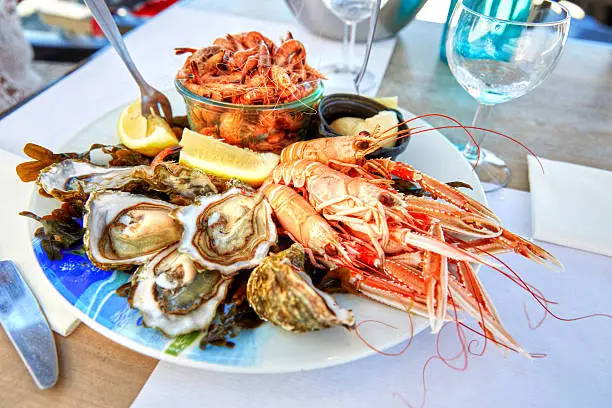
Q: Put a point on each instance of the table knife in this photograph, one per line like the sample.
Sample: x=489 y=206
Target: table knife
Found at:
x=26 y=326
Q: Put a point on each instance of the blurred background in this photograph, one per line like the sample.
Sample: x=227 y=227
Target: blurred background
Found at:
x=62 y=34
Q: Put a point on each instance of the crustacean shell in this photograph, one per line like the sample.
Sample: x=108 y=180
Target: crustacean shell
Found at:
x=282 y=293
x=227 y=232
x=74 y=179
x=123 y=229
x=189 y=307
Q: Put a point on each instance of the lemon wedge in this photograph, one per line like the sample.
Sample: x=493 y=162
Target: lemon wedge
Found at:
x=221 y=159
x=384 y=120
x=147 y=135
x=389 y=101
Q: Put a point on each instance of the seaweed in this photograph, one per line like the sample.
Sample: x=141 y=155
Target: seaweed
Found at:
x=232 y=317
x=60 y=230
x=120 y=155
x=43 y=157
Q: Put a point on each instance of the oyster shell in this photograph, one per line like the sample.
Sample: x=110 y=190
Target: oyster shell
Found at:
x=282 y=293
x=227 y=232
x=123 y=229
x=189 y=307
x=74 y=179
x=175 y=179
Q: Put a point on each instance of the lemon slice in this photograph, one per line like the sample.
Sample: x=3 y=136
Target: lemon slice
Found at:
x=147 y=135
x=389 y=101
x=221 y=159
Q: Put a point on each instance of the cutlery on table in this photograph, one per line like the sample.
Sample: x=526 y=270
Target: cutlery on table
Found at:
x=150 y=98
x=26 y=327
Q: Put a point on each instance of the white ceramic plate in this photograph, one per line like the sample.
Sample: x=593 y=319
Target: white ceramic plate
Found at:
x=91 y=292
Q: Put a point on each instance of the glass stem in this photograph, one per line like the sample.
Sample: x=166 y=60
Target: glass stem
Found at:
x=346 y=47
x=351 y=57
x=481 y=117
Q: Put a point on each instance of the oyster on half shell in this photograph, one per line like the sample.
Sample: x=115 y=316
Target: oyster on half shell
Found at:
x=75 y=179
x=282 y=293
x=175 y=179
x=189 y=305
x=72 y=179
x=123 y=229
x=227 y=232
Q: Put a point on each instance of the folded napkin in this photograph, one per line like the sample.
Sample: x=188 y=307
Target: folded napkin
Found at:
x=571 y=205
x=15 y=245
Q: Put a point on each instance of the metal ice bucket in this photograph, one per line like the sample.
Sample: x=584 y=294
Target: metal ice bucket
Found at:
x=394 y=16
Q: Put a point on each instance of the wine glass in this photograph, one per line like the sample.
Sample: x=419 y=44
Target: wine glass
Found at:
x=350 y=12
x=499 y=50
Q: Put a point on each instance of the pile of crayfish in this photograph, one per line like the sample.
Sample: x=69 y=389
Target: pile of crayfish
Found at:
x=412 y=253
x=248 y=68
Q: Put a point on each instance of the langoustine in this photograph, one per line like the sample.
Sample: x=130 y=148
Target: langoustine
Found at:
x=414 y=253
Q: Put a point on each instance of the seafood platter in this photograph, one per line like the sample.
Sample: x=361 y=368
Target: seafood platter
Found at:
x=261 y=231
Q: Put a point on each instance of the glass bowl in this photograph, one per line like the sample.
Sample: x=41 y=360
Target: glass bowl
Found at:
x=263 y=128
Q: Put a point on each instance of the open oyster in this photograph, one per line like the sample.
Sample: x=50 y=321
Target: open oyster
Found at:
x=123 y=229
x=175 y=179
x=282 y=293
x=227 y=232
x=72 y=179
x=189 y=305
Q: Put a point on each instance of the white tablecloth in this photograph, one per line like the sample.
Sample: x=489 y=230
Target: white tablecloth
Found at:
x=576 y=373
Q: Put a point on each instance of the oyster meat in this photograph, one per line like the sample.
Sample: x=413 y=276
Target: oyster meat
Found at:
x=189 y=305
x=75 y=179
x=282 y=293
x=227 y=232
x=123 y=229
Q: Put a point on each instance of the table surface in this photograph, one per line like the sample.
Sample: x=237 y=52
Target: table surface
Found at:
x=567 y=118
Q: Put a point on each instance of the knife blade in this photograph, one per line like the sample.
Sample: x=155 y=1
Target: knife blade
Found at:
x=26 y=326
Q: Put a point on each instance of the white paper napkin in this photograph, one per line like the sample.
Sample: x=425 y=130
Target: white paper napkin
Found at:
x=571 y=205
x=15 y=245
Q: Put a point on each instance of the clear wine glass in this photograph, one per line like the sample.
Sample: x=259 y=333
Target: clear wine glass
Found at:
x=350 y=12
x=499 y=50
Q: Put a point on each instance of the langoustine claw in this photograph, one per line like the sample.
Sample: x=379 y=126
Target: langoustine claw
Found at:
x=510 y=242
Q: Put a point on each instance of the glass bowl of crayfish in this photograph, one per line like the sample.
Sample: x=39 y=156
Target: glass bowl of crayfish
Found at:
x=263 y=128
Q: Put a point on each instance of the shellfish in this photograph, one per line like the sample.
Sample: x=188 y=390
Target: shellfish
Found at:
x=282 y=293
x=124 y=229
x=227 y=232
x=75 y=179
x=184 y=308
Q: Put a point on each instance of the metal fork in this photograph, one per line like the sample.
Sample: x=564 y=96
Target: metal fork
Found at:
x=150 y=98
